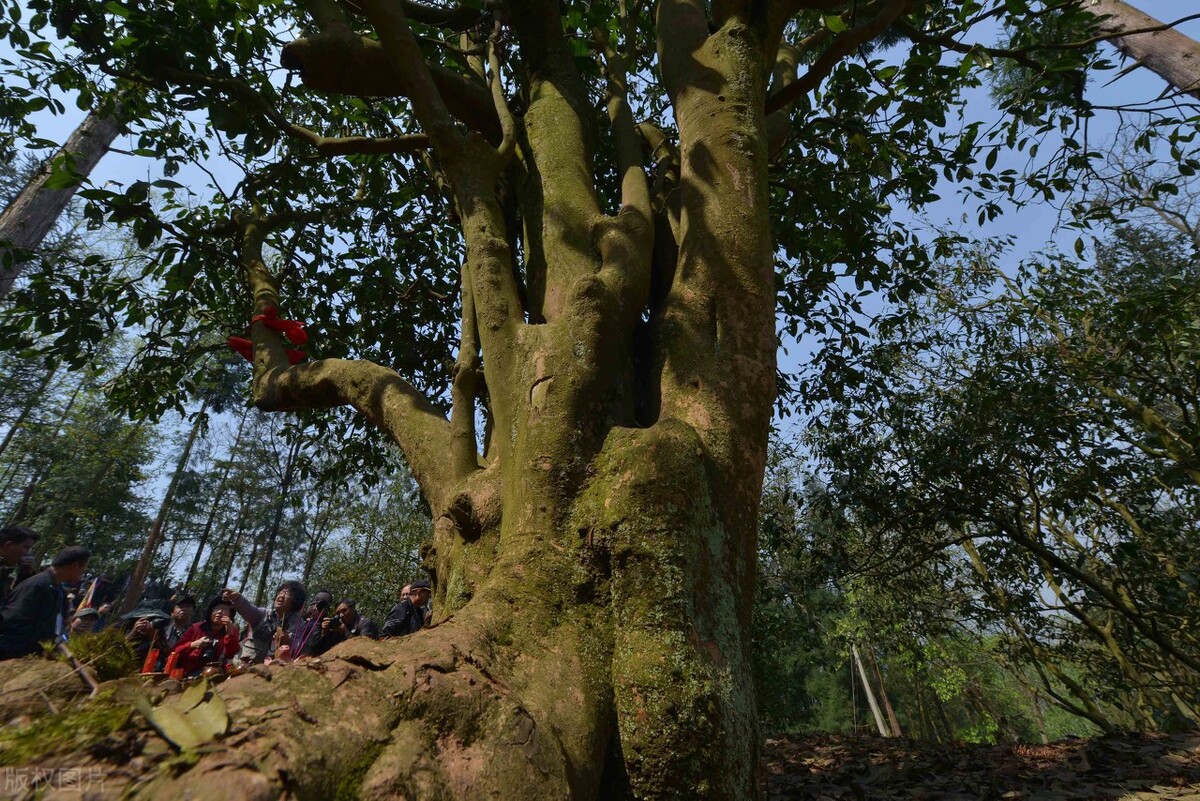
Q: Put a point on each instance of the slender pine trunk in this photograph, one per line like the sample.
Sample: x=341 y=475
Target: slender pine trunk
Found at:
x=893 y=721
x=250 y=569
x=285 y=486
x=866 y=685
x=222 y=485
x=138 y=581
x=34 y=399
x=233 y=548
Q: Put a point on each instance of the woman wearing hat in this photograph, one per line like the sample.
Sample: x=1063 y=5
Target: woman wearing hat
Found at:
x=214 y=640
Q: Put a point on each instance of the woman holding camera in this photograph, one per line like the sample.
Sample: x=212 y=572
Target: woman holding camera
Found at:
x=214 y=640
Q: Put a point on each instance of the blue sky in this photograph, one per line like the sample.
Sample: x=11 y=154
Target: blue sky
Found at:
x=1035 y=226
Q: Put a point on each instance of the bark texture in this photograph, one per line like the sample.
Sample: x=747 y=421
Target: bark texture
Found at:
x=594 y=565
x=1165 y=51
x=32 y=213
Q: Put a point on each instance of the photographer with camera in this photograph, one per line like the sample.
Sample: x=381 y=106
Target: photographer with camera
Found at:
x=213 y=641
x=345 y=623
x=308 y=635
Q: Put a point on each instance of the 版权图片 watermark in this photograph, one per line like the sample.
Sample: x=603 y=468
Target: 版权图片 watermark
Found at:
x=14 y=781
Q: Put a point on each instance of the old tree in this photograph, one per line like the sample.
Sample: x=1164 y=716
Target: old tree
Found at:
x=549 y=250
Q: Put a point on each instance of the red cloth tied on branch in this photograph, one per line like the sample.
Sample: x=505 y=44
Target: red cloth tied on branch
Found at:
x=246 y=348
x=293 y=330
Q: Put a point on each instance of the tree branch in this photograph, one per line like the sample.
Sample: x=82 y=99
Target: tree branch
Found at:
x=508 y=126
x=560 y=132
x=457 y=18
x=465 y=386
x=357 y=66
x=392 y=404
x=682 y=29
x=406 y=416
x=887 y=12
x=635 y=190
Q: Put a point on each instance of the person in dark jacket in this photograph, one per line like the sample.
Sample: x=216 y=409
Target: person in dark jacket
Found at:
x=16 y=558
x=182 y=610
x=143 y=629
x=37 y=607
x=408 y=615
x=307 y=641
x=83 y=621
x=213 y=641
x=345 y=623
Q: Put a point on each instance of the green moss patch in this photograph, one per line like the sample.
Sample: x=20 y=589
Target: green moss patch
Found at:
x=70 y=730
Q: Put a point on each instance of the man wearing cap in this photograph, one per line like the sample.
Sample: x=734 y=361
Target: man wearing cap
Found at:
x=408 y=615
x=83 y=621
x=182 y=609
x=152 y=626
x=36 y=609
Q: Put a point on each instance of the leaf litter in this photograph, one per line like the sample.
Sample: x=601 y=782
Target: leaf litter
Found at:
x=1130 y=767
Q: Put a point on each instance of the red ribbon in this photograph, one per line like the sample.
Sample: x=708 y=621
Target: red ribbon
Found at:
x=292 y=329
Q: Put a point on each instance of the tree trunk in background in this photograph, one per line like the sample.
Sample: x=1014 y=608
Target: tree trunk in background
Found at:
x=18 y=514
x=285 y=486
x=33 y=213
x=318 y=538
x=233 y=548
x=866 y=684
x=65 y=521
x=34 y=399
x=1170 y=54
x=893 y=722
x=250 y=568
x=216 y=505
x=134 y=592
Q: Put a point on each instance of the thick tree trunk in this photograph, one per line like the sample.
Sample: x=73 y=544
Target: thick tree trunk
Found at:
x=1168 y=53
x=594 y=575
x=138 y=581
x=32 y=213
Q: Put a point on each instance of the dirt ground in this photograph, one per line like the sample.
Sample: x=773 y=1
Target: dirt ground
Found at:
x=1128 y=767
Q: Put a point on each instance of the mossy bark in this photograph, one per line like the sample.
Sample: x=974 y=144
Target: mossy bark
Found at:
x=594 y=565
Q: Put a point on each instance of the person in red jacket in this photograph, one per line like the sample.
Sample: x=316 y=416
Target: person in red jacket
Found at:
x=213 y=641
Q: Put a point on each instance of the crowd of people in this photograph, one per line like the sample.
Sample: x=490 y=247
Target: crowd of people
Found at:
x=38 y=607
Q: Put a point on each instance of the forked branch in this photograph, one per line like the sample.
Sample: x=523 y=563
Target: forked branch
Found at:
x=404 y=414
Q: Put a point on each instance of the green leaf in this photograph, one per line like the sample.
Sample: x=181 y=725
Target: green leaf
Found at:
x=210 y=718
x=835 y=23
x=193 y=695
